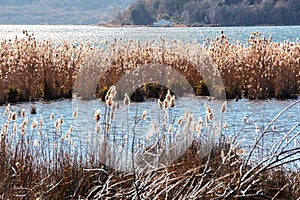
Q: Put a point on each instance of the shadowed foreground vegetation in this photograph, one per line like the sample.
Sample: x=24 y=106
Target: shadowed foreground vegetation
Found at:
x=259 y=69
x=43 y=158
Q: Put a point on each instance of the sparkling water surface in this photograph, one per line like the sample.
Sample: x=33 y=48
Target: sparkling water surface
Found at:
x=242 y=114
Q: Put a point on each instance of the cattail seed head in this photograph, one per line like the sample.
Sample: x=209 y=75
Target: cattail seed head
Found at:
x=166 y=104
x=170 y=129
x=144 y=115
x=23 y=113
x=240 y=152
x=224 y=105
x=34 y=124
x=126 y=100
x=180 y=120
x=7 y=109
x=172 y=102
x=97 y=115
x=13 y=116
x=61 y=120
x=75 y=113
x=109 y=101
x=52 y=116
x=168 y=96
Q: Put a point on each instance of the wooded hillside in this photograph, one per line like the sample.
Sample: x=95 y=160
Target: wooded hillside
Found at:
x=213 y=12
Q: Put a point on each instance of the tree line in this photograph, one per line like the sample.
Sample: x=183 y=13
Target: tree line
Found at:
x=213 y=12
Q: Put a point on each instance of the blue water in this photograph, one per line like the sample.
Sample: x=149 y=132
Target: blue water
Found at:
x=242 y=115
x=95 y=35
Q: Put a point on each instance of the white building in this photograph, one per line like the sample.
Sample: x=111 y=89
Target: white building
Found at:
x=163 y=23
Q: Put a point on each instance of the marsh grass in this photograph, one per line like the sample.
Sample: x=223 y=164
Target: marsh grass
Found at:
x=44 y=158
x=258 y=69
x=32 y=69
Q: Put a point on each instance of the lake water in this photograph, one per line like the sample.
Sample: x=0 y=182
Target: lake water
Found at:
x=94 y=35
x=242 y=114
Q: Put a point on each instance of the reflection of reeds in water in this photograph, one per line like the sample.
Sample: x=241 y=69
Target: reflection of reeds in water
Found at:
x=175 y=156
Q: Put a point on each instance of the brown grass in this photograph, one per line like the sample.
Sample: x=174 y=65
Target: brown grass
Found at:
x=259 y=69
x=41 y=158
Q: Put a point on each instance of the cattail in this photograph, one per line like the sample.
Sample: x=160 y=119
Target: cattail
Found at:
x=7 y=109
x=75 y=113
x=180 y=120
x=168 y=96
x=51 y=116
x=209 y=112
x=109 y=101
x=13 y=116
x=224 y=105
x=126 y=100
x=144 y=115
x=240 y=152
x=97 y=115
x=34 y=124
x=172 y=102
x=170 y=129
x=166 y=103
x=23 y=113
x=107 y=127
x=56 y=124
x=69 y=132
x=111 y=93
x=61 y=120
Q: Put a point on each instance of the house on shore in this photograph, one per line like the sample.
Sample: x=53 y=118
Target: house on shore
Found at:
x=163 y=23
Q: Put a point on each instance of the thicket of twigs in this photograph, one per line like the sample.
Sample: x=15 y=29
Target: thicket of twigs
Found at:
x=43 y=158
x=261 y=68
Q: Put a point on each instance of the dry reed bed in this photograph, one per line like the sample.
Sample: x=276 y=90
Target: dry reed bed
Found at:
x=42 y=158
x=32 y=70
x=261 y=68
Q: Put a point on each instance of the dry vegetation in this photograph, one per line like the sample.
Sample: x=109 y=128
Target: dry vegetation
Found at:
x=31 y=69
x=43 y=158
x=259 y=69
